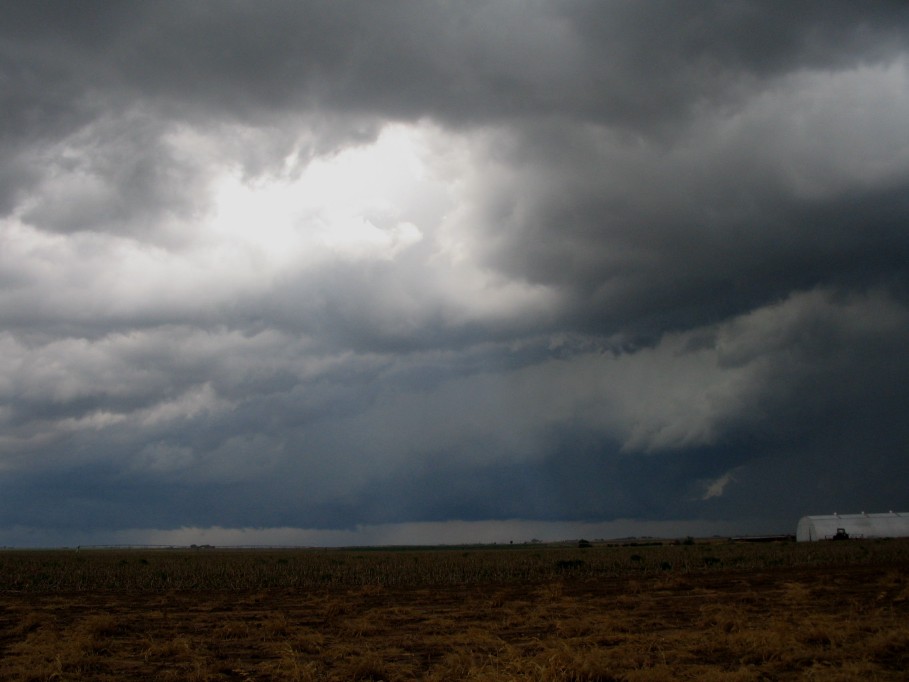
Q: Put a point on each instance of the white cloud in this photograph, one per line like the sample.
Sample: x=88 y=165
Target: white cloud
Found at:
x=358 y=203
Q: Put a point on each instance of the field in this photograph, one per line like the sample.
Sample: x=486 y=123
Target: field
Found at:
x=704 y=611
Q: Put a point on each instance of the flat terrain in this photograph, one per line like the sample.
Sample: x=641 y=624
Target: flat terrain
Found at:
x=723 y=611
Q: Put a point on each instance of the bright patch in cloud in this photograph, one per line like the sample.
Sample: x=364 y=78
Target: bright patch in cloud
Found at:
x=353 y=204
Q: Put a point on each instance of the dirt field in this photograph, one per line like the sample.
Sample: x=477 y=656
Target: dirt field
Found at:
x=800 y=616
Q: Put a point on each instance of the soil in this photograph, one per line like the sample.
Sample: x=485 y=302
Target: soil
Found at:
x=842 y=622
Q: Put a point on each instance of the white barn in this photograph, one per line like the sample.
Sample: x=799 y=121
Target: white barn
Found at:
x=890 y=525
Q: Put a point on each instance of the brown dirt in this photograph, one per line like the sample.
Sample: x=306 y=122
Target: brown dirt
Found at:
x=838 y=623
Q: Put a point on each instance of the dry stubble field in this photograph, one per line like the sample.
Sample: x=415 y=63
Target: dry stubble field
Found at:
x=709 y=611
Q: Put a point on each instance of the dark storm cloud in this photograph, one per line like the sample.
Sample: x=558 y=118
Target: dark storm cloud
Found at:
x=616 y=63
x=652 y=266
x=686 y=244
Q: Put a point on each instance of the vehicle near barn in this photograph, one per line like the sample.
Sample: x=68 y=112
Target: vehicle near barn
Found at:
x=853 y=526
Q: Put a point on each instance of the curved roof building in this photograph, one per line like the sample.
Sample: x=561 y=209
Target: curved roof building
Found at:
x=889 y=525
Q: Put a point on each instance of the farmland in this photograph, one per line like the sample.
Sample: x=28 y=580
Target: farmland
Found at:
x=716 y=610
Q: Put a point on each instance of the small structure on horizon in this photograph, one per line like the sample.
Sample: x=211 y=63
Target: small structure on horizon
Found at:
x=856 y=526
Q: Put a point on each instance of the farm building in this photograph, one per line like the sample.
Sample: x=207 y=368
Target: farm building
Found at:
x=889 y=525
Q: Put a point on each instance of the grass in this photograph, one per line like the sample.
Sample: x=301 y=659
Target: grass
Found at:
x=42 y=571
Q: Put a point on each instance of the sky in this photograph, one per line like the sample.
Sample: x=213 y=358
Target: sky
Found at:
x=433 y=272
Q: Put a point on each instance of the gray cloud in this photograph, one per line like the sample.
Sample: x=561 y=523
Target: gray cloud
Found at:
x=329 y=266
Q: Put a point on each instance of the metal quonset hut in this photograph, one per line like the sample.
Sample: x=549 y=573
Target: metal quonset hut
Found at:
x=890 y=525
